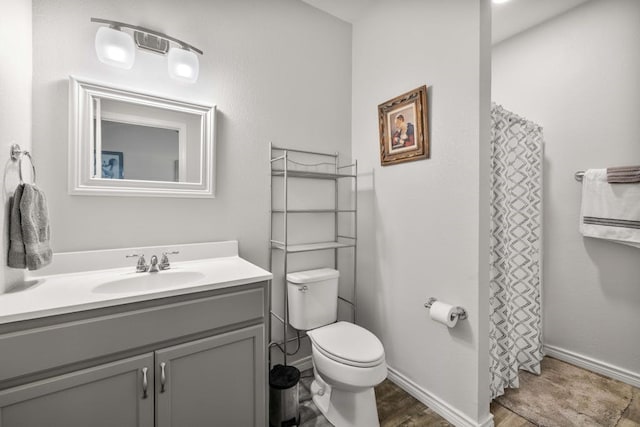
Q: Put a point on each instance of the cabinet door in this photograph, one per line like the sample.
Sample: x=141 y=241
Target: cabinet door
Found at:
x=106 y=395
x=216 y=381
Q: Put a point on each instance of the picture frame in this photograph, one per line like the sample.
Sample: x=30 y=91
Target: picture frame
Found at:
x=404 y=129
x=112 y=165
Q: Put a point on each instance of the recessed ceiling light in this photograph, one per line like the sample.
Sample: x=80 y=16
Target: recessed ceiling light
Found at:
x=499 y=1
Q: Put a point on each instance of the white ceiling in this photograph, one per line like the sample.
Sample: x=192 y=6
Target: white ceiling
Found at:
x=515 y=16
x=508 y=19
x=347 y=10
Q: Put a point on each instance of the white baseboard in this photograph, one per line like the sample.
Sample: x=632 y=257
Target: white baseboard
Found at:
x=451 y=414
x=303 y=364
x=597 y=366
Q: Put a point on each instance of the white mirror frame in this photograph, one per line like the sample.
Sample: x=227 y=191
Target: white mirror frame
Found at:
x=81 y=113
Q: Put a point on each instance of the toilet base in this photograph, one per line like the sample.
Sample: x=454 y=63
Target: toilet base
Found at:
x=345 y=408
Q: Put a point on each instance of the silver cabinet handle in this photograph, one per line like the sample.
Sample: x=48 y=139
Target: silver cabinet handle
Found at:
x=145 y=383
x=303 y=288
x=163 y=377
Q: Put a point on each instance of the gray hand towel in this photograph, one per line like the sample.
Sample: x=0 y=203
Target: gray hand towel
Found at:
x=17 y=257
x=35 y=227
x=30 y=245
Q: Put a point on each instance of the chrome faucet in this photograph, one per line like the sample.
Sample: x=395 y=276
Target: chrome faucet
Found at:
x=153 y=265
x=164 y=262
x=141 y=266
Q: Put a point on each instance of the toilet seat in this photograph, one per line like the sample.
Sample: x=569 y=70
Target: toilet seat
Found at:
x=349 y=344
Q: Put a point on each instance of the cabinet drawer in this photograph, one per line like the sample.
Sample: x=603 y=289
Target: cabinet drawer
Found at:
x=39 y=349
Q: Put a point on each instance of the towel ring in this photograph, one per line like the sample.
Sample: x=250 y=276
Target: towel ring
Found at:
x=18 y=154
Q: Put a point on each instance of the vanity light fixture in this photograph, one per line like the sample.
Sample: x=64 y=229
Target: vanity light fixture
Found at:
x=499 y=1
x=183 y=64
x=116 y=47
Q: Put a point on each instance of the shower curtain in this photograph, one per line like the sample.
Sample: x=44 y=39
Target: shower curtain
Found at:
x=516 y=249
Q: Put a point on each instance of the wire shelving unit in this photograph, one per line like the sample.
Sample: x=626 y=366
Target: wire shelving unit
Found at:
x=283 y=169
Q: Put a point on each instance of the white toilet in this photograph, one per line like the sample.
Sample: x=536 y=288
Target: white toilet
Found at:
x=348 y=360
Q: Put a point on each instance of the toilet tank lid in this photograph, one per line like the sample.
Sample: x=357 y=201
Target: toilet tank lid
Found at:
x=310 y=276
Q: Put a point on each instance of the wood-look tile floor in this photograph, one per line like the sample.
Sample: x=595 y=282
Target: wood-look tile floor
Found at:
x=396 y=408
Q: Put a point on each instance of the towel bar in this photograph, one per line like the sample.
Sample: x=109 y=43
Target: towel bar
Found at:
x=579 y=176
x=17 y=154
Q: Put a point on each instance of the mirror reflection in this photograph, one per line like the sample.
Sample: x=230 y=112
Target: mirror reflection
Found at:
x=152 y=153
x=145 y=143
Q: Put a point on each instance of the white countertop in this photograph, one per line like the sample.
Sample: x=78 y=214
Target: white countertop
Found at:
x=54 y=294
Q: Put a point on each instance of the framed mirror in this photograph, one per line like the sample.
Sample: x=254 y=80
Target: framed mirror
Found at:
x=128 y=143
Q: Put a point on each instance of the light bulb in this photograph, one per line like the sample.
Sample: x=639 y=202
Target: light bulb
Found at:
x=115 y=47
x=183 y=64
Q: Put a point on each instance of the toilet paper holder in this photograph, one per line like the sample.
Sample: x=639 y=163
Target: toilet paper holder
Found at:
x=460 y=312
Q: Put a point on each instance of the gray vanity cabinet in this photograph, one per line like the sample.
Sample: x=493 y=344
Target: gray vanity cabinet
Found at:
x=200 y=357
x=211 y=382
x=103 y=396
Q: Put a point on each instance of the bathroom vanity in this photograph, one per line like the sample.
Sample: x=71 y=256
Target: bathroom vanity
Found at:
x=190 y=354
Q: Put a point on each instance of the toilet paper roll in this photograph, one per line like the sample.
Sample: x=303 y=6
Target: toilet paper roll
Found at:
x=443 y=313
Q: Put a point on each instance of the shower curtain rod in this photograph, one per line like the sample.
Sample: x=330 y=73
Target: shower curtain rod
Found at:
x=524 y=121
x=514 y=117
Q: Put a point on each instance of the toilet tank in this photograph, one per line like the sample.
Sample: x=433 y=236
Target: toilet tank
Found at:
x=313 y=298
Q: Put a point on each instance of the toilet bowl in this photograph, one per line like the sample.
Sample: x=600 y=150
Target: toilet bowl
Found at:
x=348 y=362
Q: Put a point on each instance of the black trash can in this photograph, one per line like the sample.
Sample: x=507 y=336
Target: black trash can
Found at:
x=283 y=396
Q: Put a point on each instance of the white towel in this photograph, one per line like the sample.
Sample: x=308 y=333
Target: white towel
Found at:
x=610 y=211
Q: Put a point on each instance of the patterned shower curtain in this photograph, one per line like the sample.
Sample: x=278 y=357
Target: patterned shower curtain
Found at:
x=516 y=249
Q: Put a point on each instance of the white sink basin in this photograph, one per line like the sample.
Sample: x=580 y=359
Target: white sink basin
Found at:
x=139 y=282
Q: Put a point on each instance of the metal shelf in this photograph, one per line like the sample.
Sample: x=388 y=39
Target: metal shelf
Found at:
x=311 y=175
x=309 y=247
x=280 y=161
x=314 y=211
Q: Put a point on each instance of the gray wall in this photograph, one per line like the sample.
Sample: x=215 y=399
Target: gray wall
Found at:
x=423 y=224
x=15 y=110
x=148 y=153
x=577 y=76
x=277 y=70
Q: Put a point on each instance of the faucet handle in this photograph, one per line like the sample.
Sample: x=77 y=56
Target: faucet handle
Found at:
x=142 y=266
x=164 y=262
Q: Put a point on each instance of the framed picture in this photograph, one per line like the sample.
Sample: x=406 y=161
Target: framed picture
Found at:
x=112 y=165
x=404 y=132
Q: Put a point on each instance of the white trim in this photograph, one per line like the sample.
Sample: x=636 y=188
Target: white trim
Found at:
x=81 y=108
x=303 y=364
x=451 y=414
x=594 y=365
